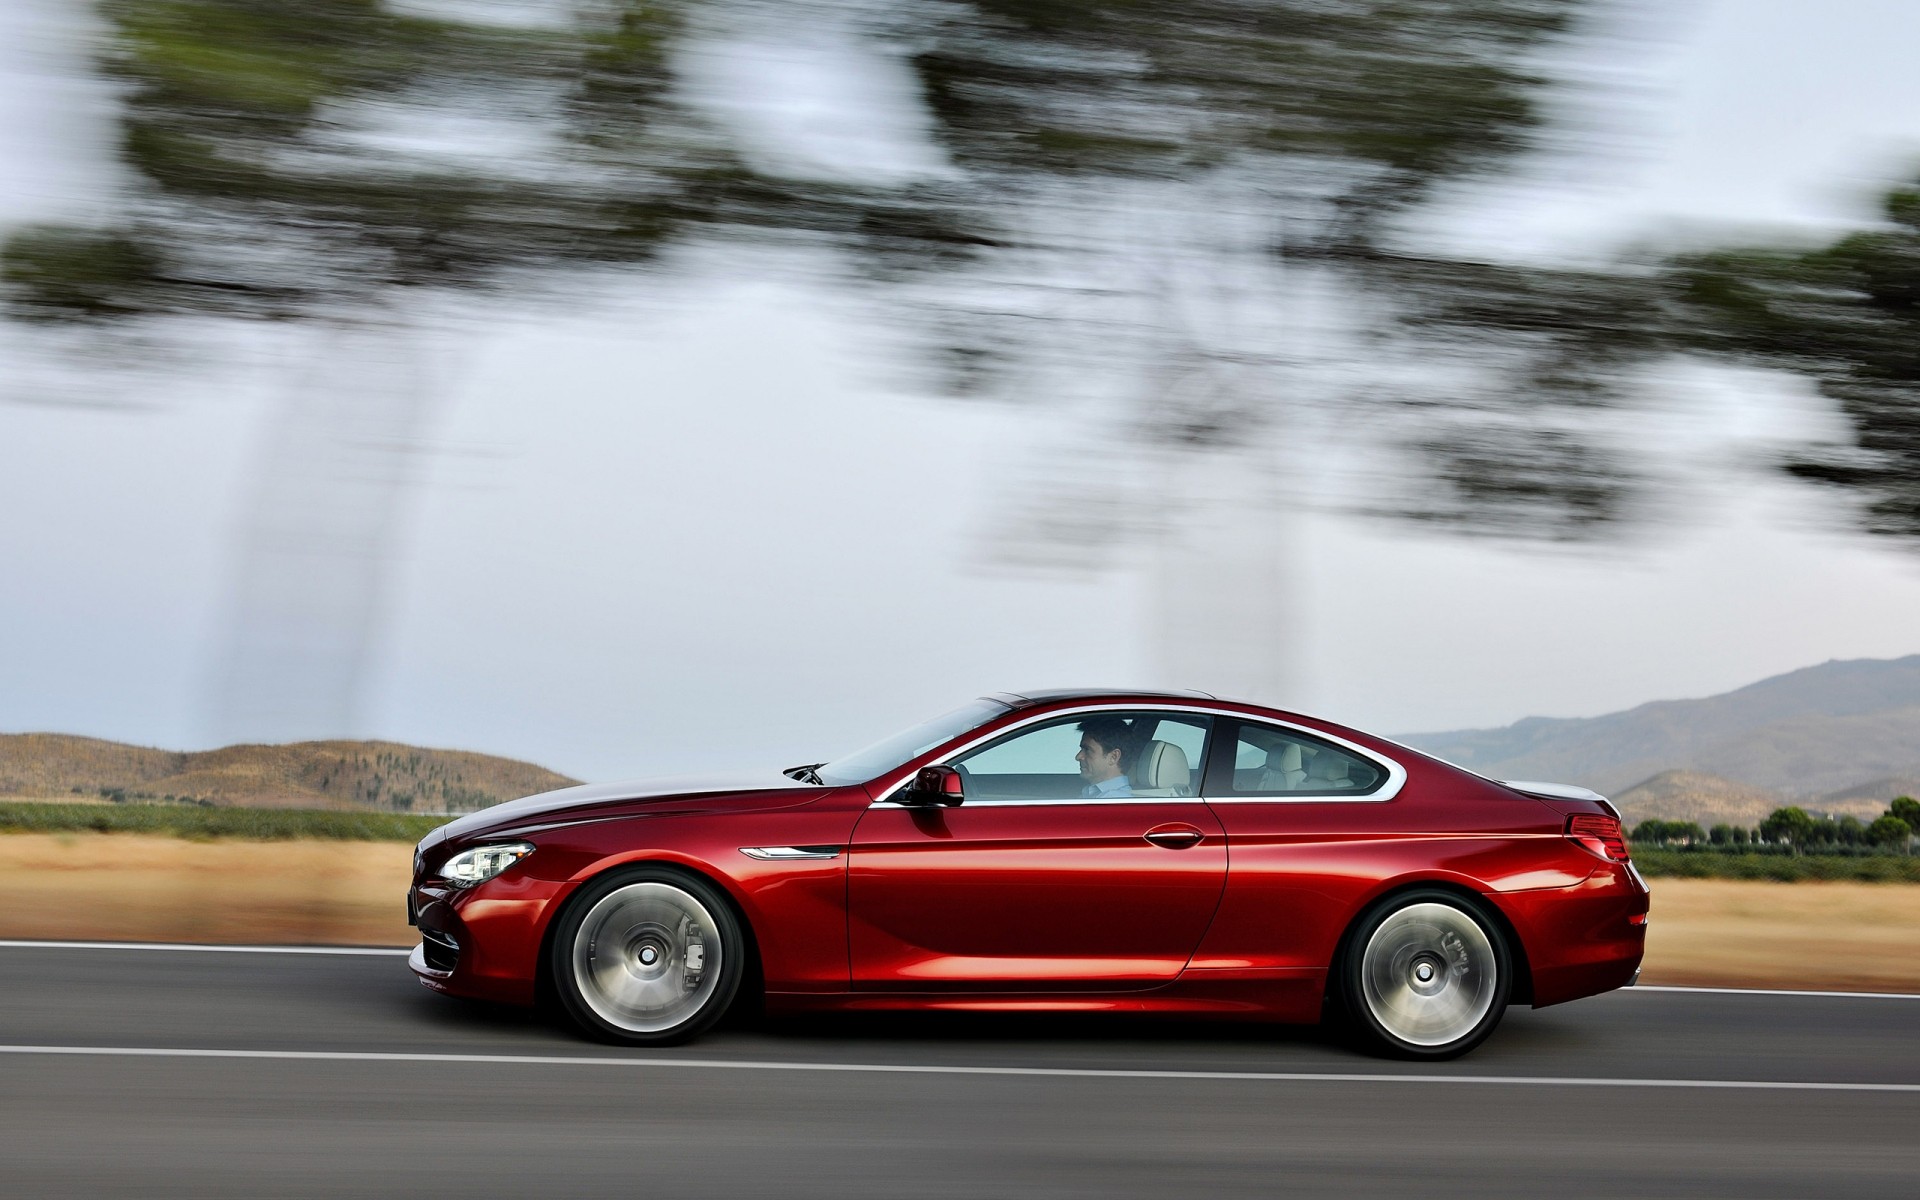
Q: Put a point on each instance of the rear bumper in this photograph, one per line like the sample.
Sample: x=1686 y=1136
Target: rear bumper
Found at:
x=1585 y=939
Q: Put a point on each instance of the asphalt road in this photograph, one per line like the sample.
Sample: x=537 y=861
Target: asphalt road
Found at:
x=136 y=1072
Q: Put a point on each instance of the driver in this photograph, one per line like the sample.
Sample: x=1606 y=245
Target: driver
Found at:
x=1106 y=751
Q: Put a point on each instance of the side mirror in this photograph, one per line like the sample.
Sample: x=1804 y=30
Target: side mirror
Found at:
x=936 y=785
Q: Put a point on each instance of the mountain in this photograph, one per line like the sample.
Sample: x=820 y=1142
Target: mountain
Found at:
x=1712 y=800
x=1841 y=731
x=376 y=775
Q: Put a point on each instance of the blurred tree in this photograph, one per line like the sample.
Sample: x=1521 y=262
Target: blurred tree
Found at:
x=1657 y=832
x=1845 y=316
x=293 y=163
x=1729 y=835
x=1889 y=830
x=1906 y=809
x=1568 y=351
x=335 y=165
x=1188 y=203
x=1792 y=826
x=288 y=164
x=1132 y=191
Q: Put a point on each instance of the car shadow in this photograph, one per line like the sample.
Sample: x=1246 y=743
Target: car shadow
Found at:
x=932 y=1029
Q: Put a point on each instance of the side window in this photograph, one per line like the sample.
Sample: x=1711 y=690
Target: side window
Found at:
x=1268 y=761
x=1109 y=755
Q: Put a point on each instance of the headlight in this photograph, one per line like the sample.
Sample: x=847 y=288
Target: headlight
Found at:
x=482 y=863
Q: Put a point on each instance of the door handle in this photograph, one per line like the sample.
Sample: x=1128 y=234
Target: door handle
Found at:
x=1177 y=837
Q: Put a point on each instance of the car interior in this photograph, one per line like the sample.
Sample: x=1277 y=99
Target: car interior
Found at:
x=1268 y=760
x=1039 y=763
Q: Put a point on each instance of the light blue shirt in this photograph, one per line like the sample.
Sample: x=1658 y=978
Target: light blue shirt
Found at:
x=1117 y=788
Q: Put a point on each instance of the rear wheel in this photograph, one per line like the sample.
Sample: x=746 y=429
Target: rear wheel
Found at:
x=1426 y=975
x=647 y=956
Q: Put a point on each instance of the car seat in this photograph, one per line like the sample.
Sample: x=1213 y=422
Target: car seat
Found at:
x=1161 y=770
x=1328 y=773
x=1283 y=773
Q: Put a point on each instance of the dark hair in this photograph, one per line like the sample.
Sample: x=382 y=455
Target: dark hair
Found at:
x=1113 y=734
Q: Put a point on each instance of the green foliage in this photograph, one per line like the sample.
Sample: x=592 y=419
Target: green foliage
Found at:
x=1783 y=867
x=1792 y=826
x=61 y=273
x=1563 y=353
x=1668 y=833
x=260 y=191
x=1889 y=830
x=1907 y=809
x=253 y=132
x=1846 y=316
x=257 y=824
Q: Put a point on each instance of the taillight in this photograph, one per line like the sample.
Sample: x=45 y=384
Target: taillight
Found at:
x=1598 y=836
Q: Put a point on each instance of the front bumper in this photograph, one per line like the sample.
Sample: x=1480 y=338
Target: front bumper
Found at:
x=482 y=942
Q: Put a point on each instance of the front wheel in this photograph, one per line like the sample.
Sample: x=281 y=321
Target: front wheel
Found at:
x=1426 y=975
x=647 y=956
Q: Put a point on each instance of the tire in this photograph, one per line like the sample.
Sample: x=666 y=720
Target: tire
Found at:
x=648 y=956
x=1426 y=975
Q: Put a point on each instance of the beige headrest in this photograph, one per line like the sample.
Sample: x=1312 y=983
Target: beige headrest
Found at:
x=1284 y=758
x=1330 y=767
x=1162 y=765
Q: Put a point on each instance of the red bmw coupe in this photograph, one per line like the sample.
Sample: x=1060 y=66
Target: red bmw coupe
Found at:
x=1054 y=851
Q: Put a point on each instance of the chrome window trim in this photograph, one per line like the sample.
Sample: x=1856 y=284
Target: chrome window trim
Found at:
x=1396 y=774
x=1064 y=801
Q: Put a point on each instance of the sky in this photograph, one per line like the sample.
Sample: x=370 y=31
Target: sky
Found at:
x=691 y=525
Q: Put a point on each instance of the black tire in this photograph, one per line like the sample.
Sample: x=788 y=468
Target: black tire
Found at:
x=647 y=956
x=1424 y=975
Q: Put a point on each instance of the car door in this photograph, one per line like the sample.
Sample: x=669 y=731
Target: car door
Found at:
x=1313 y=825
x=1031 y=885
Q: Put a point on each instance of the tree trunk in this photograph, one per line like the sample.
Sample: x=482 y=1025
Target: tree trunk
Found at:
x=315 y=544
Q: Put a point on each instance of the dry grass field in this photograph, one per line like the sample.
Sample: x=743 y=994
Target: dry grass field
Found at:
x=1739 y=933
x=1847 y=936
x=126 y=887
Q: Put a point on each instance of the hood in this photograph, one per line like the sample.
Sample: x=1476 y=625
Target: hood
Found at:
x=594 y=795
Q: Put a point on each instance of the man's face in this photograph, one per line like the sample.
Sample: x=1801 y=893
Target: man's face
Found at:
x=1097 y=763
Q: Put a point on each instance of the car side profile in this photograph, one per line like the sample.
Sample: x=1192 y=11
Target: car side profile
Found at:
x=1049 y=851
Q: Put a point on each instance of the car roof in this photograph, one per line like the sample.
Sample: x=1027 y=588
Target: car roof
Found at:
x=1050 y=695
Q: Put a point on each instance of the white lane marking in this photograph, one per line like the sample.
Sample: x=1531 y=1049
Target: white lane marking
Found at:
x=197 y=946
x=1654 y=987
x=741 y=1064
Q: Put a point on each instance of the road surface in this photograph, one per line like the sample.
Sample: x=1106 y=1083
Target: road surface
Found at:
x=145 y=1072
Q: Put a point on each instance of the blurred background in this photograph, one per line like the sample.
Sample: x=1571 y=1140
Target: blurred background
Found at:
x=635 y=388
x=407 y=405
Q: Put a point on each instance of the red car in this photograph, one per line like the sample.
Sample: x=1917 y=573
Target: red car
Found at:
x=1055 y=851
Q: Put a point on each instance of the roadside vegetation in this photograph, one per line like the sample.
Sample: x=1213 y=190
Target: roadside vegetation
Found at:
x=1779 y=866
x=1792 y=830
x=197 y=822
x=1791 y=844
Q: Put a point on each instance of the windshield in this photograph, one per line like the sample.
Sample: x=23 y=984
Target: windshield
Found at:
x=888 y=753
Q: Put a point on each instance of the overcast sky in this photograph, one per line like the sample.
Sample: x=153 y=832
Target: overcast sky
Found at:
x=692 y=525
